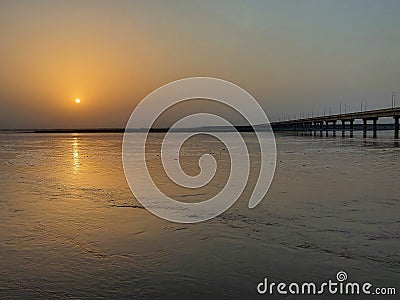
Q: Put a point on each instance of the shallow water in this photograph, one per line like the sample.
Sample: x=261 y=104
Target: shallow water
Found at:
x=71 y=228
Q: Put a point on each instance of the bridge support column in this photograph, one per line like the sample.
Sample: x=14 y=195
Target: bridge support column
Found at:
x=326 y=128
x=321 y=127
x=343 y=127
x=351 y=128
x=396 y=127
x=375 y=128
x=365 y=127
x=334 y=127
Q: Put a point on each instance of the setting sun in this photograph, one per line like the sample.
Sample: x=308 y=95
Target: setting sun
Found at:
x=77 y=101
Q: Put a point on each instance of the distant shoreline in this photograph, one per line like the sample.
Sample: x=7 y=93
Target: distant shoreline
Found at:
x=122 y=130
x=357 y=127
x=99 y=130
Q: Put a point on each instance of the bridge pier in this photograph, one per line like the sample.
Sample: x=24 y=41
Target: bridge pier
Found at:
x=365 y=127
x=396 y=127
x=375 y=128
x=343 y=127
x=351 y=128
x=321 y=127
x=334 y=128
x=326 y=128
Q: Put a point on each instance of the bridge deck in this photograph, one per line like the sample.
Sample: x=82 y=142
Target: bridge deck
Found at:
x=365 y=115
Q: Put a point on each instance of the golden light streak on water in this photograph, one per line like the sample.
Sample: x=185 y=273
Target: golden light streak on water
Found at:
x=75 y=152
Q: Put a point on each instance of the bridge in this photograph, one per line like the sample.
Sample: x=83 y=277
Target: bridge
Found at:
x=329 y=122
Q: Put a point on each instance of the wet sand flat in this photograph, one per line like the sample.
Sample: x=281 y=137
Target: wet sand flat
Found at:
x=71 y=228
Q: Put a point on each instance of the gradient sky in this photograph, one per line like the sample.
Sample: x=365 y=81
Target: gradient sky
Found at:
x=292 y=56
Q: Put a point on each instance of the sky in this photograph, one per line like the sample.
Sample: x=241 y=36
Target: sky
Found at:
x=293 y=56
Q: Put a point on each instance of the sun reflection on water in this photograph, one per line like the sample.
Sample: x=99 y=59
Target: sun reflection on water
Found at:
x=75 y=151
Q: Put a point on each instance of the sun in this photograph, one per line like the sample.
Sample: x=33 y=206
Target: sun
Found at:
x=77 y=101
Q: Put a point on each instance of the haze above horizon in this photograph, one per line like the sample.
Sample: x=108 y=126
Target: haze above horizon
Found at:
x=293 y=57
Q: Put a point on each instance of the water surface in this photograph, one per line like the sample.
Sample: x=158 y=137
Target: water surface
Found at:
x=71 y=228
